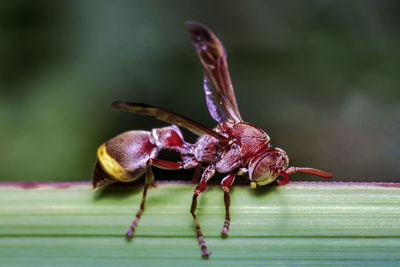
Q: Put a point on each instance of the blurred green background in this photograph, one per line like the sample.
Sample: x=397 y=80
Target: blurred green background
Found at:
x=321 y=77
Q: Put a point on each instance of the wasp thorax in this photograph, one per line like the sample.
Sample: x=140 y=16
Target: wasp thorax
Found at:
x=265 y=167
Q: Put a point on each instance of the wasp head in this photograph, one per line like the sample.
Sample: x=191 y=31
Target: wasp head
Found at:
x=265 y=167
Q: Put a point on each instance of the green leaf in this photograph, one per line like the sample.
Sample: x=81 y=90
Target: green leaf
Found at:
x=298 y=224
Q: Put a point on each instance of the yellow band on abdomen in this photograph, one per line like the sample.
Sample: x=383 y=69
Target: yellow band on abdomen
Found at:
x=111 y=166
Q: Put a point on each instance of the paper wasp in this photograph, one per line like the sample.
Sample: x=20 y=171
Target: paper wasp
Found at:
x=233 y=147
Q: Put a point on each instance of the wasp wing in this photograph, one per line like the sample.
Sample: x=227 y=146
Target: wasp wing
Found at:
x=168 y=116
x=213 y=57
x=217 y=111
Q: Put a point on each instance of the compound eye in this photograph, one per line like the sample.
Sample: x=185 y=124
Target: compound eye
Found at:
x=262 y=169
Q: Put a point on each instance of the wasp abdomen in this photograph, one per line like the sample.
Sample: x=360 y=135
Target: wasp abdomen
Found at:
x=124 y=157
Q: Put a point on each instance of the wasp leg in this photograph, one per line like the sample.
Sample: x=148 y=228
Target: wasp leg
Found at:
x=149 y=181
x=196 y=174
x=165 y=164
x=226 y=184
x=200 y=188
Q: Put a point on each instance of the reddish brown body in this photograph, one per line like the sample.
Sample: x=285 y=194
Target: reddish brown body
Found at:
x=233 y=146
x=133 y=149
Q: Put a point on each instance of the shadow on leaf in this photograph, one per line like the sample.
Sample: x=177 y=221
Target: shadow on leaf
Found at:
x=264 y=190
x=119 y=190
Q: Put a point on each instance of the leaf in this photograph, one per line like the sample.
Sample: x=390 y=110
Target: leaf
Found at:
x=298 y=224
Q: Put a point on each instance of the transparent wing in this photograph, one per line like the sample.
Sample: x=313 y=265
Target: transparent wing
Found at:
x=168 y=116
x=218 y=112
x=212 y=55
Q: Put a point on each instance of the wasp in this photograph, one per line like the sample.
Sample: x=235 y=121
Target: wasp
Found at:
x=233 y=147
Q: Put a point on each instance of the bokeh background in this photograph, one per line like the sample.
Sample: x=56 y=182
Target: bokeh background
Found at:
x=321 y=77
